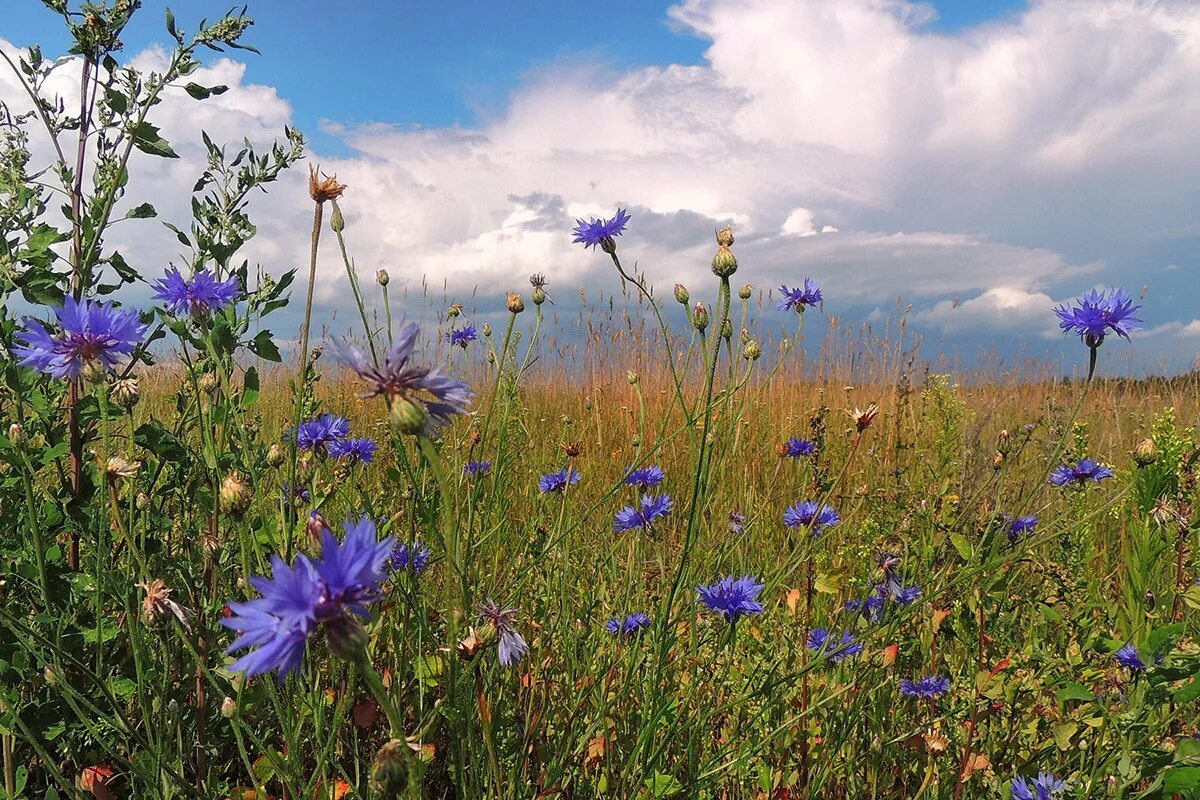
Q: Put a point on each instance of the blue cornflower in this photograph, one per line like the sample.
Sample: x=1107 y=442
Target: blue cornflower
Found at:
x=819 y=639
x=809 y=514
x=905 y=595
x=512 y=645
x=400 y=379
x=929 y=687
x=629 y=627
x=318 y=433
x=646 y=477
x=1129 y=657
x=477 y=468
x=463 y=336
x=796 y=299
x=1044 y=787
x=871 y=608
x=652 y=507
x=1079 y=474
x=299 y=599
x=412 y=557
x=732 y=597
x=1096 y=313
x=737 y=523
x=360 y=450
x=600 y=232
x=289 y=495
x=799 y=448
x=93 y=335
x=1020 y=526
x=199 y=295
x=558 y=481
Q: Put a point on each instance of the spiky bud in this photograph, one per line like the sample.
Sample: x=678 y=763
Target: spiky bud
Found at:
x=751 y=350
x=125 y=393
x=407 y=417
x=208 y=382
x=316 y=525
x=724 y=263
x=632 y=377
x=346 y=636
x=382 y=277
x=1146 y=453
x=745 y=291
x=727 y=329
x=235 y=495
x=486 y=329
x=539 y=296
x=700 y=317
x=1004 y=442
x=389 y=770
x=228 y=708
x=276 y=455
x=455 y=311
x=515 y=304
x=681 y=294
x=16 y=435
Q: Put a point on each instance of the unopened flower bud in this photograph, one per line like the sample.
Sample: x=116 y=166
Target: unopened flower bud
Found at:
x=389 y=770
x=751 y=350
x=745 y=292
x=539 y=296
x=346 y=636
x=727 y=329
x=486 y=329
x=228 y=707
x=276 y=454
x=16 y=435
x=456 y=310
x=208 y=382
x=235 y=495
x=700 y=317
x=125 y=393
x=407 y=417
x=316 y=525
x=142 y=501
x=681 y=294
x=1004 y=442
x=515 y=304
x=997 y=460
x=632 y=377
x=382 y=277
x=337 y=223
x=1146 y=453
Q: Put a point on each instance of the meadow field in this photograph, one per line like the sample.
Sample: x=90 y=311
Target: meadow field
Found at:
x=657 y=543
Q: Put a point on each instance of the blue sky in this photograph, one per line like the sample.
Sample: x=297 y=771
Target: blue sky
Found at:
x=430 y=63
x=979 y=161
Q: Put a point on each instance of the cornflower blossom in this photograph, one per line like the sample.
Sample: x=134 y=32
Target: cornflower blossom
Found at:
x=796 y=299
x=652 y=507
x=557 y=482
x=1096 y=313
x=799 y=448
x=646 y=477
x=461 y=337
x=438 y=396
x=629 y=627
x=820 y=639
x=307 y=596
x=1044 y=787
x=809 y=514
x=1079 y=474
x=600 y=232
x=94 y=336
x=732 y=598
x=512 y=646
x=290 y=495
x=355 y=450
x=1020 y=526
x=1129 y=658
x=871 y=607
x=197 y=296
x=477 y=468
x=412 y=558
x=928 y=687
x=318 y=433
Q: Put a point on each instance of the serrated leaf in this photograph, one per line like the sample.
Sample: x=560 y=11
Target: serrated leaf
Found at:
x=144 y=211
x=1075 y=691
x=264 y=347
x=147 y=139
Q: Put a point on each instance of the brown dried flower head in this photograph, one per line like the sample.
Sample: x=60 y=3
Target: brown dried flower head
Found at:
x=323 y=187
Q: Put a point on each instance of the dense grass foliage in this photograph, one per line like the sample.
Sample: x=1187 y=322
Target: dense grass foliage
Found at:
x=578 y=557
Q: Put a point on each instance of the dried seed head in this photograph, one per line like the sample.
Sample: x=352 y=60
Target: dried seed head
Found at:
x=117 y=469
x=456 y=310
x=745 y=291
x=322 y=188
x=235 y=495
x=382 y=277
x=515 y=304
x=1146 y=453
x=864 y=418
x=125 y=393
x=276 y=454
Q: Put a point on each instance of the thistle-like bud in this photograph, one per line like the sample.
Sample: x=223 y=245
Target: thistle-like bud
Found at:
x=681 y=294
x=346 y=636
x=724 y=263
x=751 y=350
x=573 y=449
x=515 y=304
x=632 y=377
x=276 y=454
x=745 y=291
x=125 y=393
x=16 y=435
x=316 y=525
x=389 y=770
x=1004 y=442
x=94 y=371
x=228 y=708
x=997 y=460
x=456 y=310
x=142 y=501
x=382 y=277
x=407 y=417
x=208 y=382
x=727 y=329
x=539 y=296
x=700 y=317
x=1146 y=453
x=235 y=495
x=337 y=223
x=486 y=330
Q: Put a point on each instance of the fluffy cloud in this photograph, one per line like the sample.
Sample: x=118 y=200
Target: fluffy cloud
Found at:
x=844 y=139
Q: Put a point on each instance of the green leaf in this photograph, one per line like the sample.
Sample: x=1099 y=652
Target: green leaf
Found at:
x=264 y=347
x=1063 y=732
x=1178 y=779
x=204 y=92
x=144 y=211
x=160 y=441
x=962 y=545
x=1164 y=638
x=662 y=786
x=147 y=139
x=1075 y=691
x=1188 y=692
x=250 y=387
